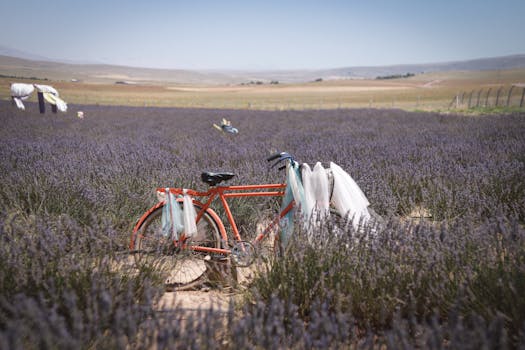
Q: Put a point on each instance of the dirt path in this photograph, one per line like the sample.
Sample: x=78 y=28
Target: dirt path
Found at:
x=191 y=301
x=205 y=299
x=432 y=83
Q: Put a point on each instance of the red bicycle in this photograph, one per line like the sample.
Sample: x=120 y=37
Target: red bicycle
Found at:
x=185 y=259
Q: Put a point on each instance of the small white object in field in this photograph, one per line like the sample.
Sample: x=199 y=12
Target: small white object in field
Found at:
x=80 y=114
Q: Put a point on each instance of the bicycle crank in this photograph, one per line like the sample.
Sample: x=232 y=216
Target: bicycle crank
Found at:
x=243 y=253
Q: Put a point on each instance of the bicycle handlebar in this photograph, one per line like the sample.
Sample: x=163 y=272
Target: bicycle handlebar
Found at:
x=280 y=157
x=275 y=156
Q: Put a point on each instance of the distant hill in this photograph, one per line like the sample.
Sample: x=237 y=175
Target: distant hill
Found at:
x=7 y=51
x=101 y=73
x=493 y=63
x=39 y=67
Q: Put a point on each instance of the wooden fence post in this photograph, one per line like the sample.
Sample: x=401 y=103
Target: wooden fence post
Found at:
x=522 y=96
x=497 y=96
x=487 y=98
x=510 y=93
x=41 y=102
x=454 y=100
x=479 y=94
x=470 y=98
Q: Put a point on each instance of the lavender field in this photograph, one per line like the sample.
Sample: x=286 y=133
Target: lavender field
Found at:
x=71 y=190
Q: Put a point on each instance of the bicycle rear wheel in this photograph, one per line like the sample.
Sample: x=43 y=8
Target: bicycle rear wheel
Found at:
x=182 y=269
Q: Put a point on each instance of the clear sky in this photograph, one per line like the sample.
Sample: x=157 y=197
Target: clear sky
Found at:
x=267 y=34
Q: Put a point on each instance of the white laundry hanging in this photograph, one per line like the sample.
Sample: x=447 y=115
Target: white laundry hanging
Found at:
x=21 y=92
x=47 y=88
x=55 y=100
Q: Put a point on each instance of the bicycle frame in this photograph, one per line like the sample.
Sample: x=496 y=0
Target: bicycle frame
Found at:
x=223 y=193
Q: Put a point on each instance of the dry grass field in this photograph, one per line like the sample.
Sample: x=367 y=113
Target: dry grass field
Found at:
x=430 y=91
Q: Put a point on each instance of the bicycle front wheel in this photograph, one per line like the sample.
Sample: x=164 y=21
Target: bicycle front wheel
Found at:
x=181 y=268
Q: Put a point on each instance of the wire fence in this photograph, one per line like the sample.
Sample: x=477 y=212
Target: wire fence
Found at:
x=501 y=96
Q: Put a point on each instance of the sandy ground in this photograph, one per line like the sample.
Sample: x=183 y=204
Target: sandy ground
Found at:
x=191 y=301
x=204 y=298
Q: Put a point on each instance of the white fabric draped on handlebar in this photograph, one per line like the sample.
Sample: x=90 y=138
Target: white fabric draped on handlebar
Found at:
x=294 y=192
x=310 y=189
x=348 y=198
x=316 y=192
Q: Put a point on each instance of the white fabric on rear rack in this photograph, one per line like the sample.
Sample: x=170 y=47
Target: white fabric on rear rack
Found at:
x=348 y=198
x=172 y=221
x=190 y=216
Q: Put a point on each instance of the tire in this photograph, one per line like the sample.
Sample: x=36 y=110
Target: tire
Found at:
x=180 y=269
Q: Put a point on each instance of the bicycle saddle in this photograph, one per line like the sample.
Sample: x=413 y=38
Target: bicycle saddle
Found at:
x=213 y=179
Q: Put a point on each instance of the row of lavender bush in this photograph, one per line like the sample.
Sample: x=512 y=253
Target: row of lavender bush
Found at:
x=73 y=188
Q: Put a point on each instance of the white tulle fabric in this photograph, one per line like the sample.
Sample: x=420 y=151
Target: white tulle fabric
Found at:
x=175 y=219
x=172 y=220
x=348 y=198
x=311 y=192
x=296 y=186
x=190 y=216
x=316 y=191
